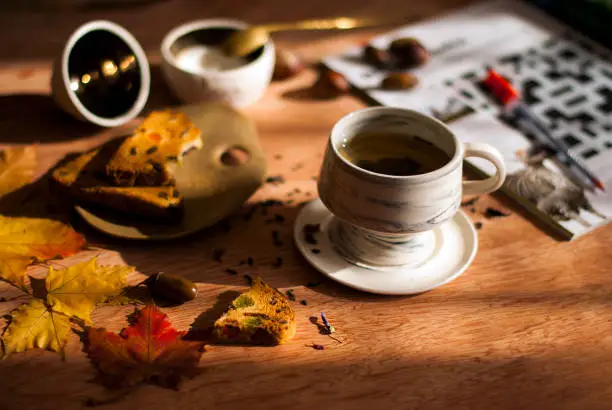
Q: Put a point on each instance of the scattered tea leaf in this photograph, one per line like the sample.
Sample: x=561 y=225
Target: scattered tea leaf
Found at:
x=316 y=251
x=276 y=239
x=304 y=302
x=494 y=213
x=278 y=263
x=478 y=225
x=231 y=271
x=318 y=347
x=312 y=284
x=290 y=295
x=276 y=179
x=249 y=279
x=149 y=351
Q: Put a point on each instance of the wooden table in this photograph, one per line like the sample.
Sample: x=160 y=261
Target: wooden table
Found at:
x=529 y=325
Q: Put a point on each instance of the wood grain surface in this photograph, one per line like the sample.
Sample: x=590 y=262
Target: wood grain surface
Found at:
x=528 y=326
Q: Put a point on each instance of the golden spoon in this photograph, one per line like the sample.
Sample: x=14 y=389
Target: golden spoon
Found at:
x=243 y=42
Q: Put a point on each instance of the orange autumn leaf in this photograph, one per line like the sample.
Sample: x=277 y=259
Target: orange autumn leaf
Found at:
x=149 y=351
x=13 y=267
x=31 y=239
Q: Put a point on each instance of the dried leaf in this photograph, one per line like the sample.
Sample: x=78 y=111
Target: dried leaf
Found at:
x=13 y=267
x=17 y=166
x=33 y=239
x=33 y=325
x=76 y=290
x=150 y=351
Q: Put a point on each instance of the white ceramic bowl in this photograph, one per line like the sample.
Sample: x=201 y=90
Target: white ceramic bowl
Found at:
x=88 y=47
x=238 y=86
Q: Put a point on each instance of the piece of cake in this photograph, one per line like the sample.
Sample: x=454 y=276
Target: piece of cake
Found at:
x=261 y=316
x=147 y=157
x=81 y=179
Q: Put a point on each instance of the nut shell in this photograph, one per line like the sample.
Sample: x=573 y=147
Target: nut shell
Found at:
x=378 y=57
x=399 y=81
x=287 y=64
x=330 y=84
x=409 y=51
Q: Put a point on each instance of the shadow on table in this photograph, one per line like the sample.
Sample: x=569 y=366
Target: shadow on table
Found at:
x=257 y=241
x=31 y=118
x=563 y=380
x=161 y=96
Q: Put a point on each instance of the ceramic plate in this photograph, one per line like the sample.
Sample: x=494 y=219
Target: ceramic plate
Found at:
x=456 y=245
x=212 y=190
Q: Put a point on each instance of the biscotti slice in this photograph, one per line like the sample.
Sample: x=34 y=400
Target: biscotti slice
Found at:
x=79 y=178
x=146 y=158
x=260 y=316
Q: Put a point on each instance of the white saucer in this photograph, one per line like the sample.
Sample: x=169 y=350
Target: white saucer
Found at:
x=456 y=245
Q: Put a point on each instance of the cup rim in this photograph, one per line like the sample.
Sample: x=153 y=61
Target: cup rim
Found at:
x=173 y=35
x=443 y=170
x=143 y=64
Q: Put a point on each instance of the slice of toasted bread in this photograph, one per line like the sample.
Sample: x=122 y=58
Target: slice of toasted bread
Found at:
x=261 y=316
x=146 y=158
x=80 y=179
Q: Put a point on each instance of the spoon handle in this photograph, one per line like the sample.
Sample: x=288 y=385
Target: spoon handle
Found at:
x=340 y=23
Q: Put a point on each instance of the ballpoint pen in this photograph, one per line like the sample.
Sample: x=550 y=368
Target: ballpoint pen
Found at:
x=528 y=122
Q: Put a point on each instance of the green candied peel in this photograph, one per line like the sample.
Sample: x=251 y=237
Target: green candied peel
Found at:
x=254 y=321
x=243 y=301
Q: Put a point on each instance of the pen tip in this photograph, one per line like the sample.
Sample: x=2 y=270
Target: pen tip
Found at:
x=599 y=185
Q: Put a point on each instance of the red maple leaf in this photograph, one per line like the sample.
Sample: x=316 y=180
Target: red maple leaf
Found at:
x=149 y=351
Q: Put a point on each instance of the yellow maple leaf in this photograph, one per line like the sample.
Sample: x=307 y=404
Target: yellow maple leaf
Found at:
x=76 y=290
x=17 y=166
x=33 y=325
x=12 y=268
x=33 y=239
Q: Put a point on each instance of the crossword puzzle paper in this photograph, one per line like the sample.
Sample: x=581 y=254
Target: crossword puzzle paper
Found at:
x=565 y=78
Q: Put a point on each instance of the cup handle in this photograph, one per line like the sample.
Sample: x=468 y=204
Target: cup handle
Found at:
x=486 y=151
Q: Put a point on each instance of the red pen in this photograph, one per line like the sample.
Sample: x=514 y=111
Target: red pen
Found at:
x=510 y=98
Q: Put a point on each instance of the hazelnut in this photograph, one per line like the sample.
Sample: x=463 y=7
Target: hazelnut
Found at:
x=399 y=81
x=378 y=57
x=330 y=84
x=409 y=52
x=287 y=64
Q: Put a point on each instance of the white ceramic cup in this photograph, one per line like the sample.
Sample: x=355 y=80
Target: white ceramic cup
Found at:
x=65 y=89
x=386 y=220
x=240 y=86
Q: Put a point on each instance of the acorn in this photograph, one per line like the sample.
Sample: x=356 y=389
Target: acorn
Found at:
x=399 y=81
x=287 y=64
x=330 y=84
x=378 y=57
x=409 y=52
